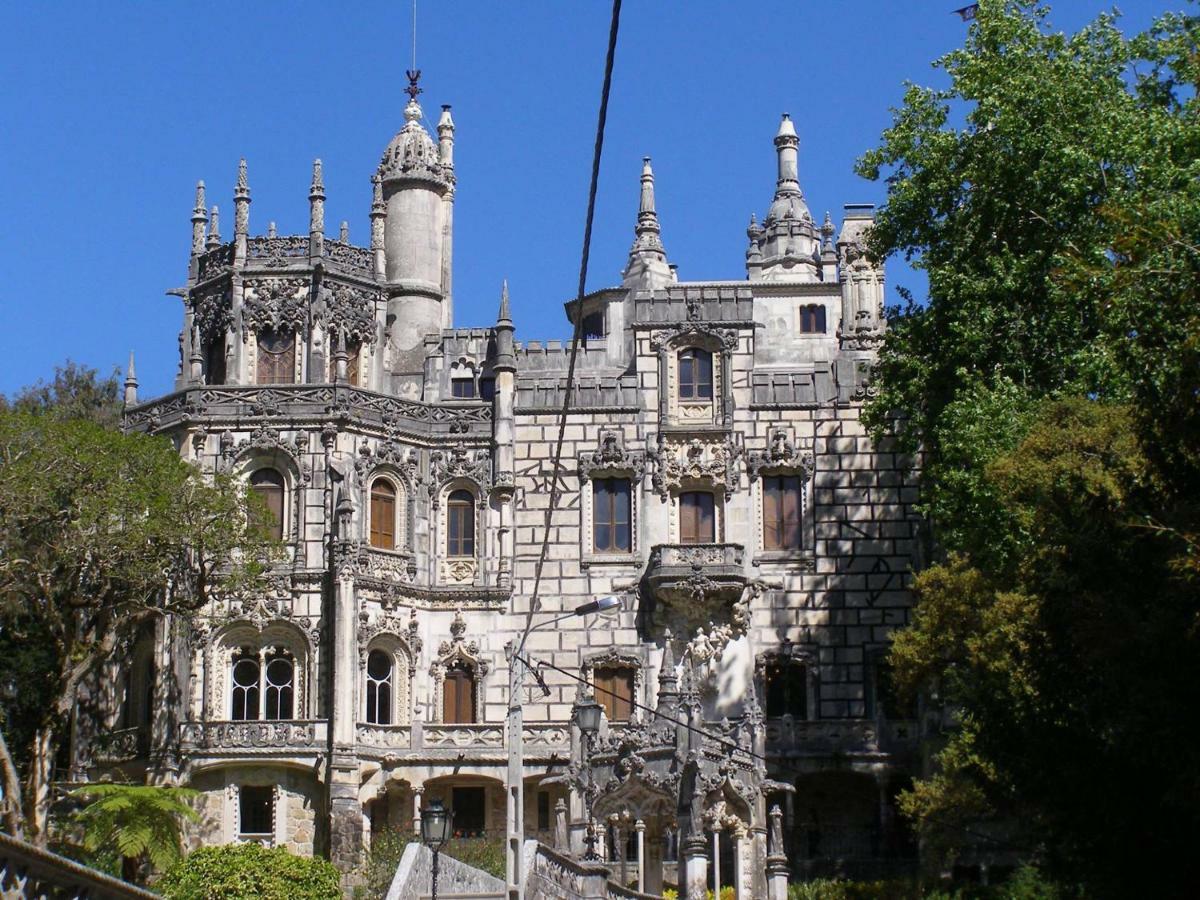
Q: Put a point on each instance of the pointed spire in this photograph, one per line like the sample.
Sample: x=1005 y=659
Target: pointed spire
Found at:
x=668 y=679
x=647 y=268
x=131 y=383
x=787 y=145
x=214 y=229
x=241 y=202
x=445 y=130
x=504 y=314
x=199 y=219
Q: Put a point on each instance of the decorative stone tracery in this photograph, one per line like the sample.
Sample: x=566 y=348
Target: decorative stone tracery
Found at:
x=612 y=457
x=709 y=463
x=458 y=651
x=279 y=304
x=781 y=453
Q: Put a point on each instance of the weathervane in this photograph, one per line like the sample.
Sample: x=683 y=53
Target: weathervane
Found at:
x=414 y=75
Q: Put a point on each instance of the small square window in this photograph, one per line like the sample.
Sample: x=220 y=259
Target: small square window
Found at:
x=462 y=388
x=812 y=319
x=256 y=812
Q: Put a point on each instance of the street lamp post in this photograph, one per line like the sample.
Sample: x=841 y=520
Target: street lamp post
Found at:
x=436 y=825
x=514 y=865
x=587 y=715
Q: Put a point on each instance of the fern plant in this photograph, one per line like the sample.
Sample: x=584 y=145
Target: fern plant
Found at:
x=138 y=822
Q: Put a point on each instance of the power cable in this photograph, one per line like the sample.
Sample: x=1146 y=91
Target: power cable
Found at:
x=555 y=488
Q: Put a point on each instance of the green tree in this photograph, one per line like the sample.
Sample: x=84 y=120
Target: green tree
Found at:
x=250 y=872
x=101 y=533
x=77 y=392
x=1051 y=380
x=138 y=823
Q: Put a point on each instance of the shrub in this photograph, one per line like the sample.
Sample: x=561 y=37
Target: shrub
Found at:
x=250 y=872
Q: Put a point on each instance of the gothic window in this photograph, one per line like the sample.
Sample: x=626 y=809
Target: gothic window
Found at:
x=612 y=531
x=256 y=813
x=214 y=361
x=614 y=691
x=697 y=517
x=812 y=319
x=593 y=326
x=380 y=678
x=267 y=485
x=782 y=500
x=276 y=357
x=695 y=374
x=279 y=684
x=787 y=690
x=245 y=685
x=383 y=514
x=462 y=384
x=460 y=524
x=458 y=696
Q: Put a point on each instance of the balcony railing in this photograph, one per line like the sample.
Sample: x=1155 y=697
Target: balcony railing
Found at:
x=301 y=735
x=123 y=745
x=788 y=736
x=697 y=568
x=456 y=736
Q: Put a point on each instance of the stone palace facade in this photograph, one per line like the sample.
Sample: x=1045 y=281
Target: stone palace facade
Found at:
x=716 y=477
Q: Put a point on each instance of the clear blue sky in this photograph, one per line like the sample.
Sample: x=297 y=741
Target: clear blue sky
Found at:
x=110 y=113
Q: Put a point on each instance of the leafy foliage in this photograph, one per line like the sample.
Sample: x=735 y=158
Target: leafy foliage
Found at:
x=250 y=872
x=1052 y=381
x=77 y=392
x=101 y=534
x=137 y=822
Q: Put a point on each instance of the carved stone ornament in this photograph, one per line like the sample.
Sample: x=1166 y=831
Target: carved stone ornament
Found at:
x=458 y=650
x=458 y=462
x=391 y=454
x=279 y=304
x=264 y=439
x=612 y=456
x=727 y=338
x=780 y=454
x=275 y=252
x=711 y=462
x=407 y=633
x=347 y=308
x=211 y=312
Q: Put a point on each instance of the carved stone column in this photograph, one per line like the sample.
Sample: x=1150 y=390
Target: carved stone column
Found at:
x=777 y=867
x=640 y=828
x=695 y=867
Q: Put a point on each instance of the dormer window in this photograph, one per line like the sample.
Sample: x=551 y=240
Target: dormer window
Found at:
x=812 y=319
x=695 y=374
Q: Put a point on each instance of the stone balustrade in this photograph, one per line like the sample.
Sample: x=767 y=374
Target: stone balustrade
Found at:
x=798 y=737
x=122 y=745
x=299 y=735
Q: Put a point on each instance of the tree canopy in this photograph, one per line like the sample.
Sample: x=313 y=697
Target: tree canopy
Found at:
x=102 y=534
x=1051 y=381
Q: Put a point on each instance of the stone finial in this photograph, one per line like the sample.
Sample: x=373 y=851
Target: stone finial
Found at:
x=316 y=201
x=505 y=314
x=341 y=358
x=199 y=219
x=506 y=359
x=378 y=212
x=196 y=359
x=647 y=268
x=214 y=229
x=445 y=130
x=131 y=383
x=344 y=232
x=271 y=230
x=787 y=145
x=241 y=202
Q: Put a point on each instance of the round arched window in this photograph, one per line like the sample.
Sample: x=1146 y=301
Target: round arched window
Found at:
x=380 y=667
x=245 y=686
x=280 y=688
x=383 y=514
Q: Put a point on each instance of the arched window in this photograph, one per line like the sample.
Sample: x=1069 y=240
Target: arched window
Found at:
x=787 y=689
x=812 y=319
x=380 y=669
x=245 y=685
x=612 y=531
x=460 y=524
x=458 y=696
x=782 y=500
x=695 y=374
x=276 y=357
x=697 y=517
x=214 y=361
x=267 y=485
x=383 y=514
x=280 y=684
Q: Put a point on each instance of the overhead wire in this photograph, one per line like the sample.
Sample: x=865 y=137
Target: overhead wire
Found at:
x=577 y=337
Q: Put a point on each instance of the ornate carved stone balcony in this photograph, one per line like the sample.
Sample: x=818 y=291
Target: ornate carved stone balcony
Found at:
x=123 y=745
x=697 y=568
x=384 y=737
x=800 y=737
x=284 y=736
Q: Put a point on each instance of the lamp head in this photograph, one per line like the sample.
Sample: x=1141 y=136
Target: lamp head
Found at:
x=587 y=714
x=604 y=604
x=436 y=824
